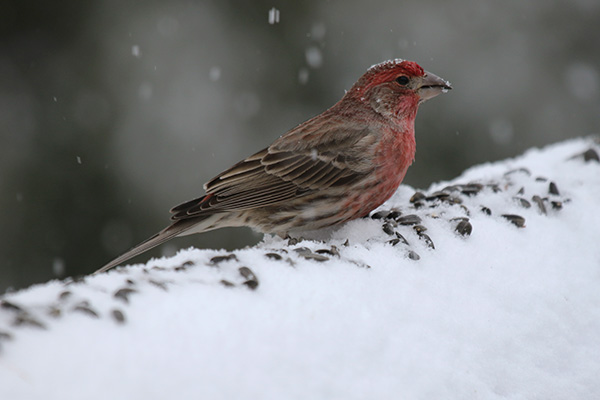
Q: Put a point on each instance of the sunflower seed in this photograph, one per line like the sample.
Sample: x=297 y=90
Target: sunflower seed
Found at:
x=552 y=189
x=394 y=214
x=86 y=309
x=410 y=219
x=159 y=284
x=303 y=251
x=413 y=256
x=540 y=203
x=517 y=220
x=24 y=319
x=591 y=155
x=437 y=195
x=402 y=239
x=123 y=294
x=273 y=256
x=218 y=259
x=118 y=316
x=464 y=228
x=10 y=306
x=251 y=279
x=387 y=228
x=425 y=237
x=379 y=215
x=5 y=336
x=316 y=257
x=522 y=202
x=419 y=228
x=417 y=197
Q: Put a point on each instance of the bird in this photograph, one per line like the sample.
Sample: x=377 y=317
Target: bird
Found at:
x=335 y=167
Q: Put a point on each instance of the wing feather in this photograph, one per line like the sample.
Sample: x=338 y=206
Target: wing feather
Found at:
x=286 y=170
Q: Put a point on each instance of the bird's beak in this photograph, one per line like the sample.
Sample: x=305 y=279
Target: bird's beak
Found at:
x=431 y=86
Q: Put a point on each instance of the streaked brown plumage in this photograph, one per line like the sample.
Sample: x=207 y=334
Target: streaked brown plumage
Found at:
x=335 y=167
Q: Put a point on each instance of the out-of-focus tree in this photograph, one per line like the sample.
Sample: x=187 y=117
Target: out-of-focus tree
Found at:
x=114 y=111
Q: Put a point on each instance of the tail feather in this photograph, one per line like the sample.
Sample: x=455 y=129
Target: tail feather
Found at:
x=176 y=229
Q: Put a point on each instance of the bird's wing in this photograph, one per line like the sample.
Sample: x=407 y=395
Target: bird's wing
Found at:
x=285 y=170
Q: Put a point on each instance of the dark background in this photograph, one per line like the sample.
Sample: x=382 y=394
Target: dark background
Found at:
x=113 y=111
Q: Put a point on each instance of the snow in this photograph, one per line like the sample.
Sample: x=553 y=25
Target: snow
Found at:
x=502 y=313
x=273 y=16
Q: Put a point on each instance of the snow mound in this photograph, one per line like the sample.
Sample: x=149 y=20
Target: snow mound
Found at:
x=485 y=287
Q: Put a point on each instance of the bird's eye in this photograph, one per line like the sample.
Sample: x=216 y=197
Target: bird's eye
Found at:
x=403 y=80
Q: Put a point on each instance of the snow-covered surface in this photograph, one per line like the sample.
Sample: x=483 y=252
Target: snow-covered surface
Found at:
x=503 y=313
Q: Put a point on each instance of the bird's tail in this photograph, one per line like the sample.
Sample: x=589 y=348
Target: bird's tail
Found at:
x=176 y=229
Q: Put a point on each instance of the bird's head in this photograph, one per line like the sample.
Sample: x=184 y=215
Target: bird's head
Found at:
x=397 y=87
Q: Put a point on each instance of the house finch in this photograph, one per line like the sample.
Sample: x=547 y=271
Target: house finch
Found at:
x=335 y=167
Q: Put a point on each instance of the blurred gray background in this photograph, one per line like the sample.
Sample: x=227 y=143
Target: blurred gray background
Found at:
x=113 y=111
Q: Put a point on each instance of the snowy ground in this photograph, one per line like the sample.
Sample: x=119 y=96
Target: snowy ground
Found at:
x=505 y=312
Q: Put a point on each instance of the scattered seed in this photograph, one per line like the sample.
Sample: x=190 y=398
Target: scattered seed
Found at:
x=394 y=214
x=471 y=189
x=5 y=336
x=65 y=295
x=540 y=203
x=402 y=239
x=226 y=283
x=123 y=294
x=452 y=200
x=303 y=251
x=591 y=155
x=346 y=243
x=333 y=252
x=158 y=284
x=293 y=241
x=130 y=282
x=425 y=237
x=394 y=242
x=418 y=204
x=379 y=215
x=552 y=189
x=439 y=195
x=24 y=319
x=273 y=256
x=10 y=306
x=486 y=210
x=417 y=197
x=251 y=279
x=419 y=228
x=521 y=191
x=219 y=259
x=118 y=316
x=517 y=220
x=191 y=263
x=464 y=228
x=410 y=219
x=316 y=257
x=413 y=256
x=465 y=209
x=541 y=179
x=387 y=228
x=557 y=205
x=85 y=308
x=495 y=187
x=522 y=202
